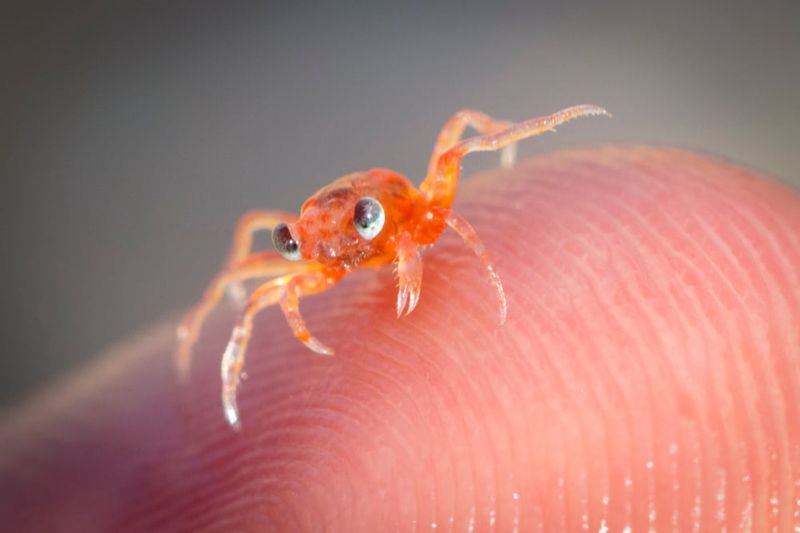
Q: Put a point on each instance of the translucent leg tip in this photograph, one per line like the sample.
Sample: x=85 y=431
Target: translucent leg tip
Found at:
x=503 y=310
x=232 y=416
x=402 y=298
x=318 y=347
x=413 y=299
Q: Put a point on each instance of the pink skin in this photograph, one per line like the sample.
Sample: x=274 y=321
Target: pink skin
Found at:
x=648 y=375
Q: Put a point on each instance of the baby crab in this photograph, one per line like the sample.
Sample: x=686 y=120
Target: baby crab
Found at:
x=365 y=219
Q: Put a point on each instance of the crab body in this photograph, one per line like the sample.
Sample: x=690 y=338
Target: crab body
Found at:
x=325 y=228
x=364 y=219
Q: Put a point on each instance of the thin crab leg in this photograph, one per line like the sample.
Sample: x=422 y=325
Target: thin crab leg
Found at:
x=260 y=265
x=439 y=186
x=454 y=127
x=285 y=290
x=305 y=285
x=470 y=236
x=246 y=227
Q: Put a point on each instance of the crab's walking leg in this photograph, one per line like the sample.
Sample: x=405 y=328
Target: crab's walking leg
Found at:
x=409 y=274
x=262 y=264
x=304 y=285
x=248 y=225
x=233 y=358
x=440 y=184
x=454 y=127
x=470 y=236
x=285 y=290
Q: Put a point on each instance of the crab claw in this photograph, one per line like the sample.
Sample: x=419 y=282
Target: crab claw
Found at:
x=409 y=275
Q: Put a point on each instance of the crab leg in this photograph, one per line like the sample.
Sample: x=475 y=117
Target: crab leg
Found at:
x=248 y=225
x=440 y=185
x=260 y=265
x=409 y=274
x=454 y=127
x=470 y=236
x=285 y=290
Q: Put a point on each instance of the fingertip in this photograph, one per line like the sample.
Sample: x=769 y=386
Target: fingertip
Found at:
x=630 y=386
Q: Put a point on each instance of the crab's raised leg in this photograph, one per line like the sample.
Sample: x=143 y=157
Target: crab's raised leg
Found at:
x=470 y=236
x=259 y=265
x=248 y=225
x=409 y=274
x=285 y=290
x=440 y=184
x=454 y=127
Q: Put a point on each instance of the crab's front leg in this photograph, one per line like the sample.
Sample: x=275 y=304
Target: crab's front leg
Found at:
x=409 y=274
x=286 y=291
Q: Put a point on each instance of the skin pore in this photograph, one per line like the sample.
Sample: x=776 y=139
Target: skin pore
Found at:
x=647 y=376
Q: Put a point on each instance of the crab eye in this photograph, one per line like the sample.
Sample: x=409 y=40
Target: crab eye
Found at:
x=368 y=217
x=286 y=245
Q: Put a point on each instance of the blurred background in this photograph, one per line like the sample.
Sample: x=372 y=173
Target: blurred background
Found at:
x=133 y=134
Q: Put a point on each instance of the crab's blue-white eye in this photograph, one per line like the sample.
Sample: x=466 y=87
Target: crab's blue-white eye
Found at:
x=286 y=245
x=368 y=217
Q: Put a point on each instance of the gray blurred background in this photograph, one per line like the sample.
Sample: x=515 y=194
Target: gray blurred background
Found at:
x=133 y=134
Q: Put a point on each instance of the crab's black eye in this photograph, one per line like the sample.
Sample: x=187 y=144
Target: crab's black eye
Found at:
x=368 y=217
x=286 y=245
